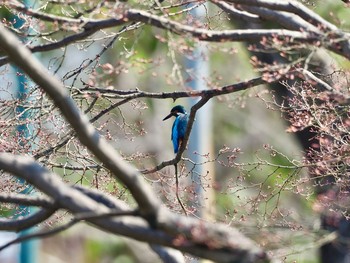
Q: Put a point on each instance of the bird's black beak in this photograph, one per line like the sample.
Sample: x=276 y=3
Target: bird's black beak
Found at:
x=167 y=117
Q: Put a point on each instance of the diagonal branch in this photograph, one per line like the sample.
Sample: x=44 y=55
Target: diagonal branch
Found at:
x=75 y=220
x=238 y=14
x=206 y=95
x=20 y=224
x=217 y=242
x=85 y=131
x=27 y=200
x=290 y=6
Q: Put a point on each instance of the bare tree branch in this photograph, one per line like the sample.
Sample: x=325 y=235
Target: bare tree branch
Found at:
x=290 y=6
x=39 y=15
x=238 y=14
x=299 y=18
x=19 y=224
x=136 y=94
x=206 y=95
x=28 y=200
x=85 y=131
x=287 y=20
x=41 y=234
x=213 y=241
x=168 y=255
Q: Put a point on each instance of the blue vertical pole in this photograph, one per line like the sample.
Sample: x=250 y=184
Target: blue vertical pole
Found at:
x=201 y=137
x=28 y=249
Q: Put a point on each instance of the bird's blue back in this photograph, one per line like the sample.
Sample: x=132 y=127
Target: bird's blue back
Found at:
x=178 y=130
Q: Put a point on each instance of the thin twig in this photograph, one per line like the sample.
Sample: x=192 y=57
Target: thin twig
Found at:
x=177 y=190
x=75 y=220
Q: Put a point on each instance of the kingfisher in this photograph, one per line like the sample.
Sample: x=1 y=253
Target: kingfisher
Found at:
x=179 y=126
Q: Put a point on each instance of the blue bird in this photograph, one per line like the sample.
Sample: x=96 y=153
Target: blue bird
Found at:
x=179 y=126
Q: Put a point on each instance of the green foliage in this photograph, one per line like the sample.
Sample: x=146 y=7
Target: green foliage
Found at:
x=100 y=251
